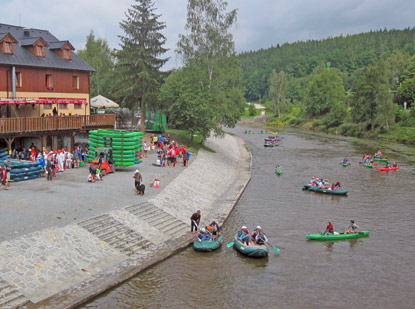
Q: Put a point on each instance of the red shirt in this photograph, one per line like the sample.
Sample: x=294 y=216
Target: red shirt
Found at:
x=330 y=227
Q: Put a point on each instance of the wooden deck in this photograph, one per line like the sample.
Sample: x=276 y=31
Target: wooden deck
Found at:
x=65 y=123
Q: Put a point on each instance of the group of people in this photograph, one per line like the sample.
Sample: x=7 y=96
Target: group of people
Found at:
x=325 y=184
x=169 y=153
x=209 y=232
x=257 y=237
x=352 y=228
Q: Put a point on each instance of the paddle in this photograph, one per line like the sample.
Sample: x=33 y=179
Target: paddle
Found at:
x=275 y=248
x=230 y=244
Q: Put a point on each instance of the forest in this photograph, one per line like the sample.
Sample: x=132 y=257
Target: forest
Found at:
x=353 y=85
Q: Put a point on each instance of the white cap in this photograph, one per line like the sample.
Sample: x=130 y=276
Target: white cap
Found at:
x=203 y=229
x=137 y=171
x=259 y=228
x=243 y=227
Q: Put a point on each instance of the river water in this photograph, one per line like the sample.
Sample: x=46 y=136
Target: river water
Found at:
x=373 y=272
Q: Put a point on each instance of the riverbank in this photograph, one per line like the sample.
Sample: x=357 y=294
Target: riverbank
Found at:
x=403 y=135
x=64 y=265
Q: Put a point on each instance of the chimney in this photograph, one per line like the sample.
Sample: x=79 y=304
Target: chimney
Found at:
x=26 y=32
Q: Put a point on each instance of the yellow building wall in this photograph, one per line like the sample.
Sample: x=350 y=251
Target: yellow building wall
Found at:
x=27 y=110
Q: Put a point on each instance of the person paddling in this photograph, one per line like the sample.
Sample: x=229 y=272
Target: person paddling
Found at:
x=353 y=228
x=245 y=237
x=261 y=238
x=345 y=160
x=329 y=229
x=394 y=164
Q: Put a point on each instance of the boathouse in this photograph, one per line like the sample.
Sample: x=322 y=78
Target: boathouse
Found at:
x=44 y=91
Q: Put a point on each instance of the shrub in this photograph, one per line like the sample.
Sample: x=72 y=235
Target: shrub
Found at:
x=350 y=129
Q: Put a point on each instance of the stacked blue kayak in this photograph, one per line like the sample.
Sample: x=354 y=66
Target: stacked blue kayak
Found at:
x=24 y=170
x=3 y=155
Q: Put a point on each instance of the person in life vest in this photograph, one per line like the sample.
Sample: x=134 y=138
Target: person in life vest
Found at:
x=260 y=238
x=215 y=229
x=329 y=229
x=245 y=237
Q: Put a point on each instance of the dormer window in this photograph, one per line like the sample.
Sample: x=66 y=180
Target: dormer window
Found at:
x=37 y=46
x=67 y=53
x=8 y=47
x=7 y=42
x=40 y=51
x=62 y=48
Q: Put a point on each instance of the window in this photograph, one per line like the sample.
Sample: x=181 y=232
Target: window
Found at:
x=67 y=53
x=40 y=51
x=49 y=81
x=47 y=106
x=19 y=82
x=77 y=106
x=8 y=47
x=63 y=106
x=75 y=82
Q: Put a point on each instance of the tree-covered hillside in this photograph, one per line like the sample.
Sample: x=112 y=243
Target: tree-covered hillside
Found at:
x=346 y=53
x=350 y=85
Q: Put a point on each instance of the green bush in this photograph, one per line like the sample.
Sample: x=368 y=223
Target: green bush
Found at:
x=317 y=123
x=295 y=121
x=350 y=129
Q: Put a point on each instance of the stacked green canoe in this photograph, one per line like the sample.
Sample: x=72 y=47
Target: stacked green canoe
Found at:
x=126 y=146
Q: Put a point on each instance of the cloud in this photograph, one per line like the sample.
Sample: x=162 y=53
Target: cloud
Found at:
x=261 y=23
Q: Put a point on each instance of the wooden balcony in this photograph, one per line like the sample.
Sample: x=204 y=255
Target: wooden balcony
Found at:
x=65 y=123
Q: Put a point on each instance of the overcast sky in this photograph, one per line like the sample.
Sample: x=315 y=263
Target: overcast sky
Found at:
x=261 y=23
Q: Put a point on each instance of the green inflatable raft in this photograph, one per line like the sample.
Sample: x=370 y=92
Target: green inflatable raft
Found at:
x=207 y=246
x=368 y=165
x=346 y=164
x=255 y=251
x=337 y=236
x=278 y=172
x=380 y=159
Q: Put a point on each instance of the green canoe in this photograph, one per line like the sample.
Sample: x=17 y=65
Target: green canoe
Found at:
x=346 y=164
x=324 y=191
x=333 y=192
x=207 y=246
x=278 y=172
x=337 y=237
x=368 y=165
x=380 y=159
x=256 y=251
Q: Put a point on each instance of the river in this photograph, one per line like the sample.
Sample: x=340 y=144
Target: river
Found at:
x=373 y=272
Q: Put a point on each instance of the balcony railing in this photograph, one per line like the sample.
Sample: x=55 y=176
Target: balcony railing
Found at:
x=39 y=124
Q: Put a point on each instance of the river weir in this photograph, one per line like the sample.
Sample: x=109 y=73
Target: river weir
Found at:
x=372 y=272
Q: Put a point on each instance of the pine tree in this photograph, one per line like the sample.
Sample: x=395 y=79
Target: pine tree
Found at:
x=139 y=60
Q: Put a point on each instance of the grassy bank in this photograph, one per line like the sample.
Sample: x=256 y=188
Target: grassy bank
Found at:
x=184 y=138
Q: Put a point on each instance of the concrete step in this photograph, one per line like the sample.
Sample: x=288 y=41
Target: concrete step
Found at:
x=150 y=214
x=93 y=220
x=92 y=225
x=177 y=230
x=12 y=298
x=104 y=229
x=161 y=217
x=173 y=224
x=116 y=234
